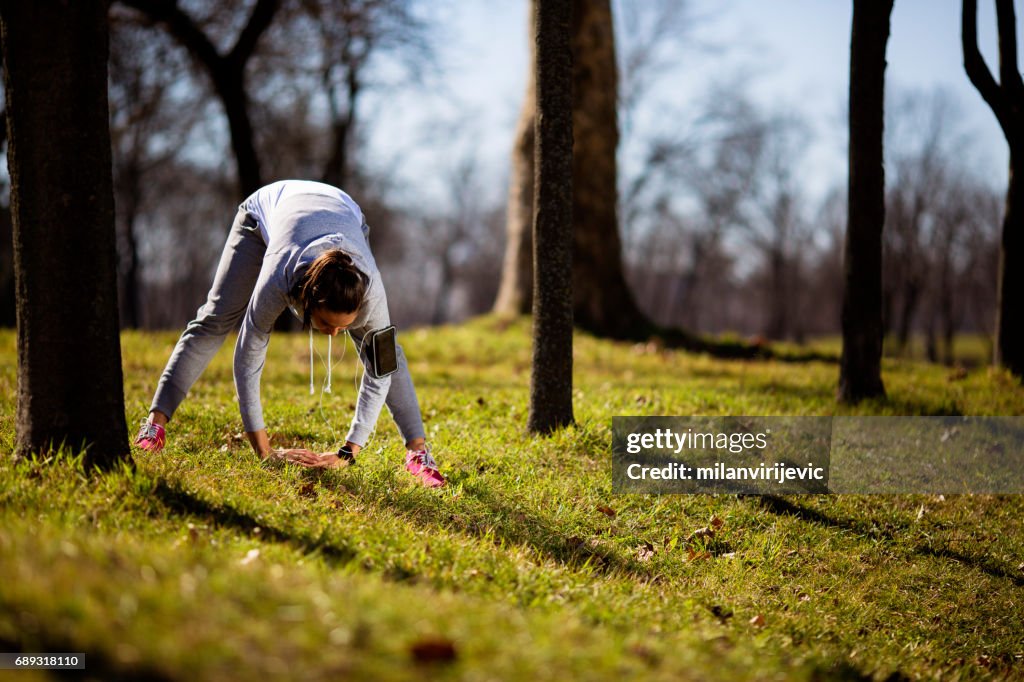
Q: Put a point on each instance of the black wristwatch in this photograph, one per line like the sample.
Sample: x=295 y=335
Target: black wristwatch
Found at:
x=345 y=453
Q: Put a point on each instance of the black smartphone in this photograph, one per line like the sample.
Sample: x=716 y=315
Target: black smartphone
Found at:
x=383 y=352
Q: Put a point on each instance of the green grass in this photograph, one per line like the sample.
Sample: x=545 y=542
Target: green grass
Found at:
x=205 y=563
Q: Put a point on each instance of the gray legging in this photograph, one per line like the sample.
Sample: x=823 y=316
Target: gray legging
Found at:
x=229 y=296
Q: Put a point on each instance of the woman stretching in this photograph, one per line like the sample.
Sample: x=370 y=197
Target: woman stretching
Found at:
x=305 y=246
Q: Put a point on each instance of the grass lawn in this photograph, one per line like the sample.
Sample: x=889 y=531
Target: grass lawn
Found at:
x=205 y=563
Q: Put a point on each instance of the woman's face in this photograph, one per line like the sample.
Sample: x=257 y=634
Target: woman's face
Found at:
x=329 y=322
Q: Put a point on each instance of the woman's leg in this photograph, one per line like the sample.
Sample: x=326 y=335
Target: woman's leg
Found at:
x=232 y=288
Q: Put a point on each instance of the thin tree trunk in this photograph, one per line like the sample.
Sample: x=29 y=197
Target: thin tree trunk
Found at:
x=551 y=379
x=860 y=370
x=70 y=388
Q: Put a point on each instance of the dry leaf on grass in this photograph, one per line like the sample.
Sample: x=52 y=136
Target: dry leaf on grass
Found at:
x=700 y=534
x=757 y=621
x=433 y=650
x=607 y=511
x=644 y=552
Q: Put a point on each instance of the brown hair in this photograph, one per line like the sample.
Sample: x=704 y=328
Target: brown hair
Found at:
x=331 y=281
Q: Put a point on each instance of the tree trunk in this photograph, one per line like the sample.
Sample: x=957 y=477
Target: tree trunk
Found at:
x=1006 y=99
x=551 y=379
x=860 y=367
x=1010 y=293
x=602 y=301
x=70 y=388
x=229 y=82
x=515 y=293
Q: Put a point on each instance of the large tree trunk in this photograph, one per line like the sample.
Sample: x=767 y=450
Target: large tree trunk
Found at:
x=860 y=367
x=602 y=301
x=70 y=389
x=551 y=379
x=515 y=293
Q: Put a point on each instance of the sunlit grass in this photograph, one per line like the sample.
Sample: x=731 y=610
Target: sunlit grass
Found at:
x=206 y=563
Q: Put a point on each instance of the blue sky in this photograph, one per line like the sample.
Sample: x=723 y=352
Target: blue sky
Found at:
x=794 y=54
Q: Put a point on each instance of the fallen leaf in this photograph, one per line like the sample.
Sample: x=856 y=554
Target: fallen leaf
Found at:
x=644 y=653
x=607 y=511
x=644 y=552
x=717 y=523
x=307 y=489
x=433 y=650
x=701 y=533
x=757 y=621
x=694 y=555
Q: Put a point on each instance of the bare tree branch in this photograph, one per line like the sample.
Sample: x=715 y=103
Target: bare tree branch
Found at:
x=260 y=19
x=181 y=27
x=1009 y=76
x=975 y=65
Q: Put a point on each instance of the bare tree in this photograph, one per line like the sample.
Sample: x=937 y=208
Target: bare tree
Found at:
x=860 y=366
x=148 y=128
x=551 y=378
x=70 y=388
x=1006 y=99
x=351 y=36
x=226 y=71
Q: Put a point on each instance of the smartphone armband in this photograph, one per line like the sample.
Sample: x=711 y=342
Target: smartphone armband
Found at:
x=383 y=352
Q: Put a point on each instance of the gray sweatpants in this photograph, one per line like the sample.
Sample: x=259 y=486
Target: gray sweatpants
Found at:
x=229 y=296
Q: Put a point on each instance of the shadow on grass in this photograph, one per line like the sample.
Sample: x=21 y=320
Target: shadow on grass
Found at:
x=505 y=522
x=783 y=507
x=219 y=514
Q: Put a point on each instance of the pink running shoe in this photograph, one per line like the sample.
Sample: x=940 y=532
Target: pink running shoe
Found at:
x=420 y=464
x=151 y=437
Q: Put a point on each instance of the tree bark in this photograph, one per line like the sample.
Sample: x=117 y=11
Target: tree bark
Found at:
x=551 y=379
x=860 y=366
x=1009 y=350
x=602 y=301
x=70 y=388
x=1006 y=99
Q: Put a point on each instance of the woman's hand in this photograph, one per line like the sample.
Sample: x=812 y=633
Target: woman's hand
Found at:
x=300 y=456
x=331 y=460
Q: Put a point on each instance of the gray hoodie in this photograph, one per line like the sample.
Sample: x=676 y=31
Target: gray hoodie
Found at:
x=298 y=220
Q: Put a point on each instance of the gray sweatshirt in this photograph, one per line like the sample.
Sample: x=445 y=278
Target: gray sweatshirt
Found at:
x=298 y=220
